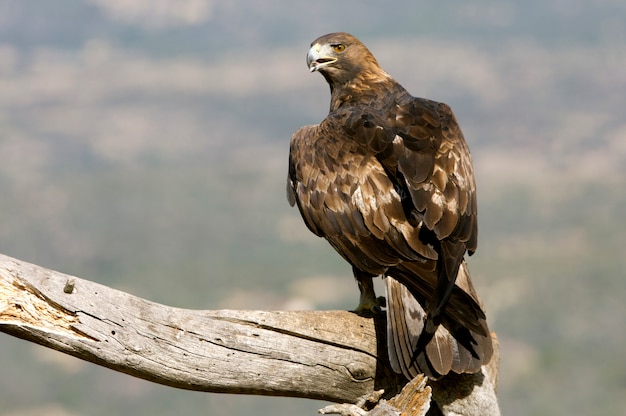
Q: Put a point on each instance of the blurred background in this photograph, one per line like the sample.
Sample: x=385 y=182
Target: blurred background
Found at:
x=143 y=145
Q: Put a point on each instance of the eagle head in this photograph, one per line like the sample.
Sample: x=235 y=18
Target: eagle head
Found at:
x=340 y=57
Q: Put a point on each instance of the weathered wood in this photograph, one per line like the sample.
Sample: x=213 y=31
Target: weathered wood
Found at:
x=328 y=355
x=413 y=400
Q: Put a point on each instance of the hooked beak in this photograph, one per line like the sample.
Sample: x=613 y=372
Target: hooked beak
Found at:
x=319 y=57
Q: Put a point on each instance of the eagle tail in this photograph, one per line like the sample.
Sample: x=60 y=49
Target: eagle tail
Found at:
x=450 y=346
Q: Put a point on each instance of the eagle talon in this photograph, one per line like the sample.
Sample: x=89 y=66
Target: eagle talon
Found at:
x=371 y=308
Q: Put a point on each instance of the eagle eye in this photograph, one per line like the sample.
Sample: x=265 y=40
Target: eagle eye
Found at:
x=338 y=47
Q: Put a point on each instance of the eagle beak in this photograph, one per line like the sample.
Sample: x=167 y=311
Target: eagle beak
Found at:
x=316 y=58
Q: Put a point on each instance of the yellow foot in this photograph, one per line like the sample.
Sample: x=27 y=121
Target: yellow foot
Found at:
x=371 y=307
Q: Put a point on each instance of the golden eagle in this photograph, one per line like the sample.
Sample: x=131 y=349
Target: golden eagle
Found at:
x=387 y=179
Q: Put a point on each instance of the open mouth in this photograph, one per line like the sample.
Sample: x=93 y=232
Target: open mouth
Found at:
x=318 y=63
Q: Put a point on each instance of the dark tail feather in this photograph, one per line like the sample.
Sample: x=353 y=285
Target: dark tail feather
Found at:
x=451 y=346
x=405 y=321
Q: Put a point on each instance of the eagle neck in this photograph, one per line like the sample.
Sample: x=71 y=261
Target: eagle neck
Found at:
x=363 y=89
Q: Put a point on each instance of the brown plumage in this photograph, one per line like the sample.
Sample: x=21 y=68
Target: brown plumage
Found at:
x=387 y=179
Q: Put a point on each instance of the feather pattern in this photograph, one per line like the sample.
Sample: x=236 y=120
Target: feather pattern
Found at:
x=387 y=179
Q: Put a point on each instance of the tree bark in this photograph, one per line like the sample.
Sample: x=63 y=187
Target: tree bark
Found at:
x=335 y=356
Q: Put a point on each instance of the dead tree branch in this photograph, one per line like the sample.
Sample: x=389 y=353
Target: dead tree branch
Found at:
x=328 y=355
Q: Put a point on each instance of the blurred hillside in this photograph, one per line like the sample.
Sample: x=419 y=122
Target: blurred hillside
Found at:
x=144 y=145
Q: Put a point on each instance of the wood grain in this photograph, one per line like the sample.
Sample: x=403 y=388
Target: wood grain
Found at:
x=335 y=356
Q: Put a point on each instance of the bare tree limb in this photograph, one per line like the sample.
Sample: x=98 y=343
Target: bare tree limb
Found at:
x=328 y=355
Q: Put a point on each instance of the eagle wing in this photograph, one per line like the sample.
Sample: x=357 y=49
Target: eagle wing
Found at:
x=420 y=145
x=421 y=148
x=402 y=173
x=345 y=195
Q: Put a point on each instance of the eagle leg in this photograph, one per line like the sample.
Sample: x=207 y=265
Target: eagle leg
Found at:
x=369 y=304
